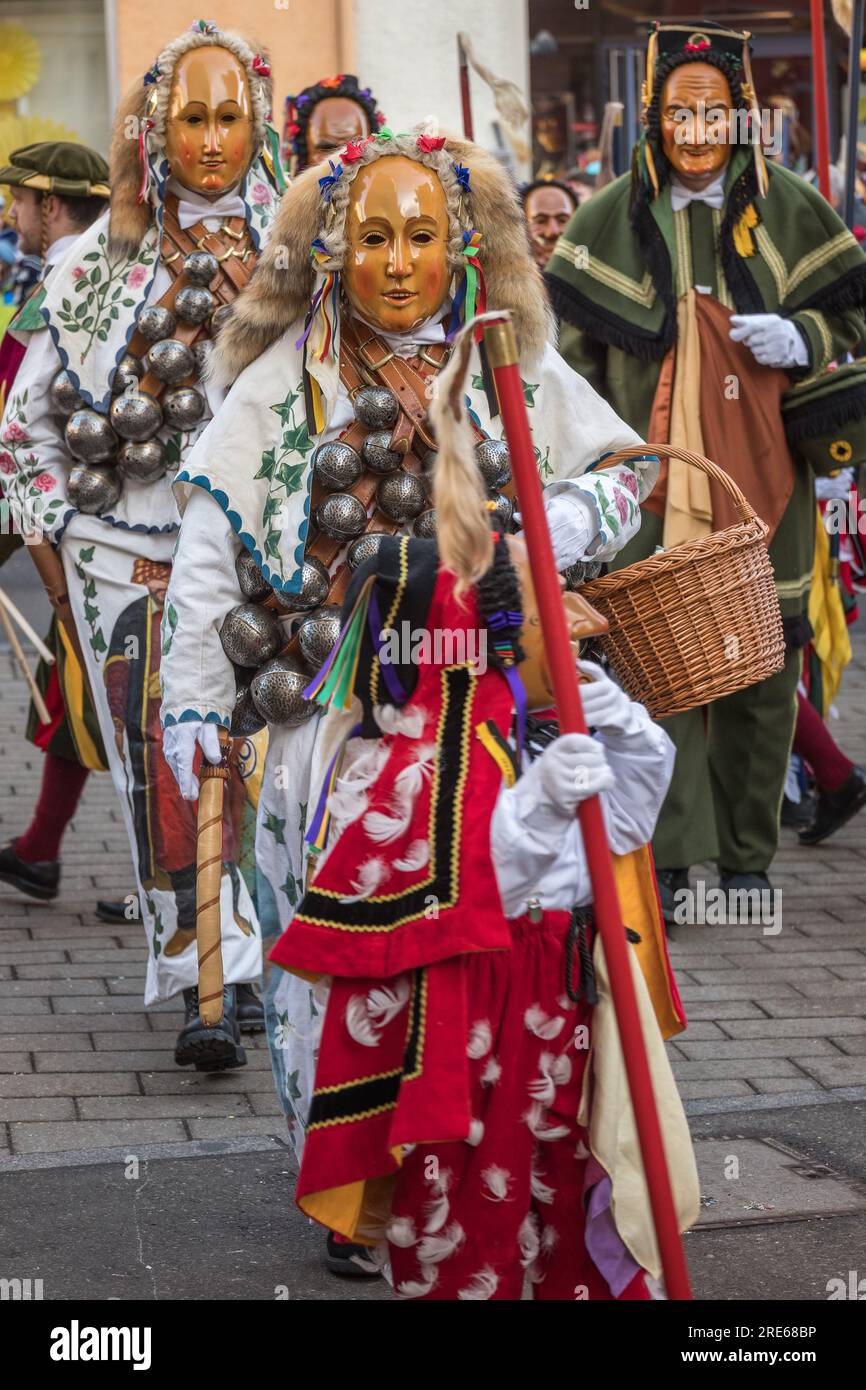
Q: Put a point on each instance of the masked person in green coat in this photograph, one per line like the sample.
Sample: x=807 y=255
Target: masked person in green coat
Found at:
x=716 y=301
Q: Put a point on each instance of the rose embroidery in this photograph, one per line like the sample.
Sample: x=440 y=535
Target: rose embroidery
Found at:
x=13 y=434
x=78 y=272
x=628 y=480
x=261 y=194
x=44 y=482
x=622 y=505
x=7 y=463
x=137 y=277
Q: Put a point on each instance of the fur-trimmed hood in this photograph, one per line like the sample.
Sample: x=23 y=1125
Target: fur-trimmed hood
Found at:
x=282 y=284
x=129 y=218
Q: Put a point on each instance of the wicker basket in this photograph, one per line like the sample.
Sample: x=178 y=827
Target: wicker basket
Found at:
x=696 y=622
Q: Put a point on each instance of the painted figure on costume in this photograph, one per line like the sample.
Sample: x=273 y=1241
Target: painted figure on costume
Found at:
x=110 y=401
x=334 y=359
x=713 y=299
x=322 y=119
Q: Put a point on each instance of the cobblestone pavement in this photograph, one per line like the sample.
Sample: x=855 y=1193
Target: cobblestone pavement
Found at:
x=773 y=1018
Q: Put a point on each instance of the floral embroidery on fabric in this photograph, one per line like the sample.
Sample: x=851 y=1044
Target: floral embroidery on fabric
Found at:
x=101 y=287
x=91 y=610
x=31 y=483
x=286 y=468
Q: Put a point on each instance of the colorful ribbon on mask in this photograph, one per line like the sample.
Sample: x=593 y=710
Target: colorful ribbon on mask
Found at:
x=324 y=306
x=471 y=298
x=146 y=176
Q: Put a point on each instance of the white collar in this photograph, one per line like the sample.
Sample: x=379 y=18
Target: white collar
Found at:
x=193 y=207
x=713 y=195
x=432 y=330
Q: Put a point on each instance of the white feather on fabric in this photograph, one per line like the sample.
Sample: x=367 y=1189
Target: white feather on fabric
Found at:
x=359 y=1024
x=409 y=720
x=529 y=1240
x=481 y=1286
x=419 y=1288
x=497 y=1181
x=416 y=857
x=476 y=1133
x=539 y=1126
x=541 y=1024
x=371 y=875
x=401 y=1231
x=541 y=1190
x=385 y=1002
x=491 y=1073
x=480 y=1040
x=435 y=1249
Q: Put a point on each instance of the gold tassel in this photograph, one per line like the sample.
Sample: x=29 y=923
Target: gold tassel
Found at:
x=647 y=92
x=743 y=240
x=752 y=98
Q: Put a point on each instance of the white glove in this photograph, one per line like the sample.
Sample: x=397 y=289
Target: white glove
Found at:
x=178 y=747
x=774 y=341
x=573 y=768
x=572 y=525
x=605 y=706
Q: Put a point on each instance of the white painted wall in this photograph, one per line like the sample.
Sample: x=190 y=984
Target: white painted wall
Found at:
x=406 y=52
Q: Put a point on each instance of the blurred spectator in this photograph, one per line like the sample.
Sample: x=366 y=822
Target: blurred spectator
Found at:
x=547 y=205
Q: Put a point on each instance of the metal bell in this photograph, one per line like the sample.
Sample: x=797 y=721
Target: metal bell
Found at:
x=250 y=634
x=183 y=407
x=201 y=352
x=278 y=693
x=246 y=719
x=494 y=461
x=364 y=548
x=401 y=496
x=581 y=572
x=219 y=317
x=64 y=396
x=337 y=465
x=89 y=437
x=143 y=460
x=425 y=525
x=135 y=415
x=315 y=587
x=341 y=516
x=170 y=360
x=127 y=375
x=502 y=512
x=156 y=322
x=377 y=455
x=200 y=267
x=318 y=635
x=194 y=304
x=93 y=487
x=376 y=407
x=253 y=584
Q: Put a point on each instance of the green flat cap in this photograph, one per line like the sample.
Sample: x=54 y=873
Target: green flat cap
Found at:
x=58 y=166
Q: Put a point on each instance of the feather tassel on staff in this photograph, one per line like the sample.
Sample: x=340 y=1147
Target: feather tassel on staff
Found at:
x=502 y=355
x=507 y=96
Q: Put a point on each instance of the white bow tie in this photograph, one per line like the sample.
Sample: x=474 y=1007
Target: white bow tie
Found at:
x=190 y=213
x=713 y=195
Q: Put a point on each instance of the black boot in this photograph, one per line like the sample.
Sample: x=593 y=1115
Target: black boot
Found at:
x=209 y=1049
x=350 y=1261
x=250 y=1010
x=833 y=809
x=670 y=882
x=741 y=911
x=115 y=912
x=41 y=880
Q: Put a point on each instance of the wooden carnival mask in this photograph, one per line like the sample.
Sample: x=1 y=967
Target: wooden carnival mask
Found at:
x=334 y=122
x=209 y=130
x=697 y=144
x=396 y=269
x=583 y=622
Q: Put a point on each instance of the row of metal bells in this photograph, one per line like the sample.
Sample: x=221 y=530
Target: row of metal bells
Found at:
x=318 y=634
x=377 y=454
x=502 y=511
x=127 y=375
x=363 y=549
x=250 y=634
x=341 y=516
x=183 y=407
x=494 y=461
x=90 y=437
x=144 y=460
x=277 y=691
x=253 y=584
x=337 y=466
x=424 y=527
x=401 y=496
x=93 y=487
x=376 y=407
x=156 y=322
x=200 y=267
x=194 y=303
x=315 y=587
x=136 y=415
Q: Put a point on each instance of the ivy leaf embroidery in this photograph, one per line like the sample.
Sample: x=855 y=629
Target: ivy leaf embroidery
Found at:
x=276 y=826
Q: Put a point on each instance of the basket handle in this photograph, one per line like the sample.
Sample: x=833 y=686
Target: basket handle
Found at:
x=706 y=465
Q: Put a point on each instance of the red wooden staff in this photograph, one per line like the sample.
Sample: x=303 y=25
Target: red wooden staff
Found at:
x=819 y=87
x=502 y=355
x=465 y=96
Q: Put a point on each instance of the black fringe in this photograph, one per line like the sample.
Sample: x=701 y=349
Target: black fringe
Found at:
x=825 y=416
x=848 y=292
x=797 y=631
x=569 y=304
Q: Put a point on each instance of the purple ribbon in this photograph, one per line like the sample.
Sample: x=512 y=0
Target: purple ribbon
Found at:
x=504 y=618
x=518 y=690
x=389 y=675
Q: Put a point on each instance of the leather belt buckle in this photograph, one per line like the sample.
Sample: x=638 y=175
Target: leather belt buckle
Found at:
x=373 y=366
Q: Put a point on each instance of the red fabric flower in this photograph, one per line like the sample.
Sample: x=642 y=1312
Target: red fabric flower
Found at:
x=78 y=272
x=332 y=81
x=260 y=66
x=697 y=47
x=428 y=143
x=44 y=482
x=354 y=151
x=380 y=118
x=292 y=130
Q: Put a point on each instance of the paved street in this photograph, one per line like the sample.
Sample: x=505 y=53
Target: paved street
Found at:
x=772 y=1068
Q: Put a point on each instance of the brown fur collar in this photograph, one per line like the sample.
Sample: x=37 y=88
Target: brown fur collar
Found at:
x=279 y=292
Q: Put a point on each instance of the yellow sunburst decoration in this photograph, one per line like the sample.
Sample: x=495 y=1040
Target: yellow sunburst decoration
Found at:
x=20 y=61
x=18 y=131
